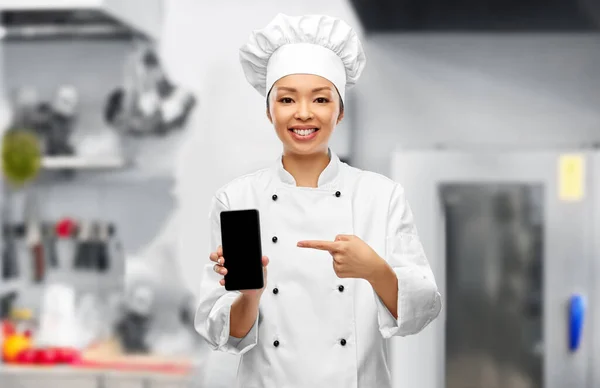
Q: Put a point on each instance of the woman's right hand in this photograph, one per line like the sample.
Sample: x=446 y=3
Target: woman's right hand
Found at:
x=219 y=268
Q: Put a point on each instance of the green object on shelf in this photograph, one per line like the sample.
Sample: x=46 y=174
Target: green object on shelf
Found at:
x=21 y=156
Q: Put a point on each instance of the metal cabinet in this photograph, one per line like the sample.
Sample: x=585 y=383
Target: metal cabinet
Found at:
x=512 y=239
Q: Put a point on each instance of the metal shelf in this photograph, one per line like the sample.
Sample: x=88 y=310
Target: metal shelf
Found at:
x=84 y=163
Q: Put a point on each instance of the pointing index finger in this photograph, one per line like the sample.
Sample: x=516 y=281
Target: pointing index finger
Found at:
x=317 y=244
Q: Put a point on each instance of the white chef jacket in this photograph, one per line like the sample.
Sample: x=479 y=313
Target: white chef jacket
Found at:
x=313 y=328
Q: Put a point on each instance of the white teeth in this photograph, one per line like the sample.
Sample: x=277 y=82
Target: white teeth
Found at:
x=304 y=132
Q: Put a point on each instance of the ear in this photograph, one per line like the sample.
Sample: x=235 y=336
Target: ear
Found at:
x=269 y=116
x=340 y=117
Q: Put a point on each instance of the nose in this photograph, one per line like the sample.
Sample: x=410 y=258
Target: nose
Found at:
x=303 y=112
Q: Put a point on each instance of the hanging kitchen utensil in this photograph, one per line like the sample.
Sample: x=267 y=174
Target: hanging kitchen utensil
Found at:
x=38 y=261
x=10 y=268
x=50 y=239
x=65 y=242
x=103 y=263
x=95 y=250
x=83 y=248
x=33 y=238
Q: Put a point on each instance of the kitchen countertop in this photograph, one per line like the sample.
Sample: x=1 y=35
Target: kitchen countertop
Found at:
x=103 y=366
x=65 y=377
x=108 y=356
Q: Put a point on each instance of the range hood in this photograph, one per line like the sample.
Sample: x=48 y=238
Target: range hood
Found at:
x=479 y=16
x=46 y=19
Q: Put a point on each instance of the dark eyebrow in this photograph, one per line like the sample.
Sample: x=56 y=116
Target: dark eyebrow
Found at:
x=294 y=90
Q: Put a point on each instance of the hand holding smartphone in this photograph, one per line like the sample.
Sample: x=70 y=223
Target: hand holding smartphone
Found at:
x=240 y=260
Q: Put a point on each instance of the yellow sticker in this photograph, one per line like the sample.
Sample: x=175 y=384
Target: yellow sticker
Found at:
x=571 y=178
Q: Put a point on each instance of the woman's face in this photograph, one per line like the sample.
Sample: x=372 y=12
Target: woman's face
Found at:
x=304 y=109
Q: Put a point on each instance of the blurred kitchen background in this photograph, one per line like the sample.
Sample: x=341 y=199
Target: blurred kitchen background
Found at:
x=122 y=117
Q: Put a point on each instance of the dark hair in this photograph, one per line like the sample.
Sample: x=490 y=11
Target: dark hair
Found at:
x=340 y=97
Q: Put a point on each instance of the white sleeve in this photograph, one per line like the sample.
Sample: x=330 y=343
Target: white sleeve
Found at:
x=214 y=307
x=419 y=301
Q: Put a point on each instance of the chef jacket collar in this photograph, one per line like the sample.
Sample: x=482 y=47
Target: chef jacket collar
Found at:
x=327 y=178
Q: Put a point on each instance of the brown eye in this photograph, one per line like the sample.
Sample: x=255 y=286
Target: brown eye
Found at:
x=286 y=100
x=322 y=100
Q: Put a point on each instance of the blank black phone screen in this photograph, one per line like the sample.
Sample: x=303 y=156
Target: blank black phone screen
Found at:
x=242 y=250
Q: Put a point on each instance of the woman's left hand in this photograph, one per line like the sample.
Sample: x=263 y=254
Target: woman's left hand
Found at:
x=352 y=257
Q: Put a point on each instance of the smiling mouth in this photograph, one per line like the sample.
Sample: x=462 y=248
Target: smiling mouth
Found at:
x=304 y=132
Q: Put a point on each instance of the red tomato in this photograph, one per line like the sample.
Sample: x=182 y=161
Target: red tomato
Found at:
x=68 y=356
x=27 y=356
x=46 y=356
x=40 y=356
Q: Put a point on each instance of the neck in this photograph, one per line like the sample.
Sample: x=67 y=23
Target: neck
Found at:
x=306 y=169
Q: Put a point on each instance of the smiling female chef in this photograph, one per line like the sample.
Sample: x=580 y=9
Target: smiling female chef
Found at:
x=346 y=269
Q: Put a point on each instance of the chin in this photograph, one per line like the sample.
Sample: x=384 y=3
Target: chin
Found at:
x=305 y=150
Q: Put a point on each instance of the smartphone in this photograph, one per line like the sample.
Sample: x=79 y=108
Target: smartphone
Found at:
x=242 y=249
